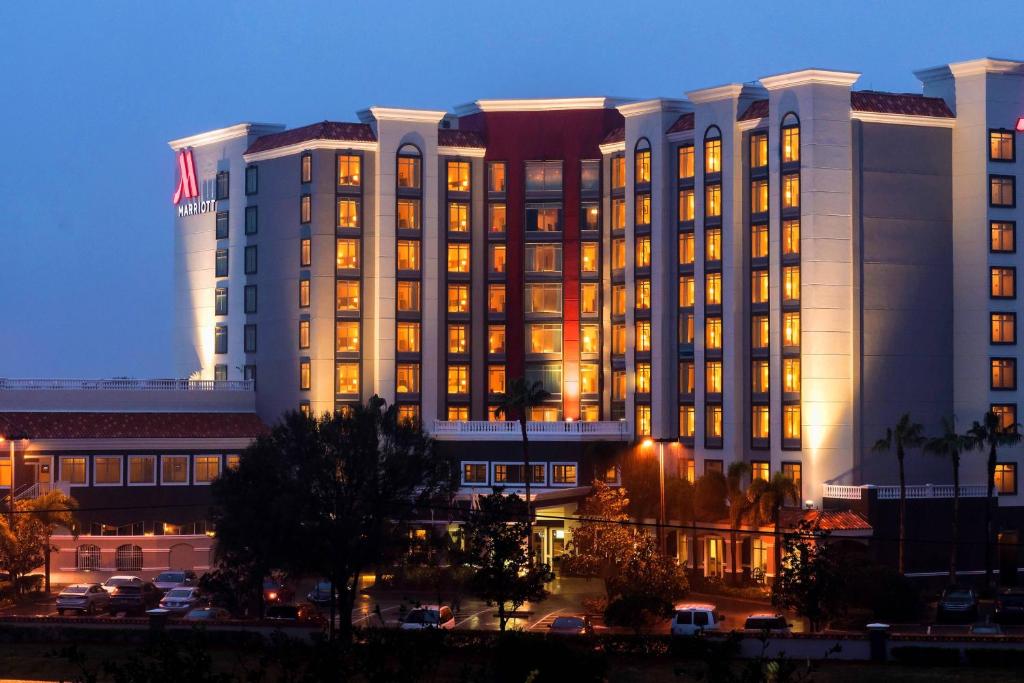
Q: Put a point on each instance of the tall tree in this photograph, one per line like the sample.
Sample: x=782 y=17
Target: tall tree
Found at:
x=739 y=504
x=950 y=444
x=53 y=510
x=22 y=538
x=990 y=435
x=811 y=582
x=341 y=488
x=521 y=395
x=506 y=574
x=767 y=498
x=906 y=434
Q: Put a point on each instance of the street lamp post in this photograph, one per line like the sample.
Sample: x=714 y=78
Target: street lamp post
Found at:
x=662 y=521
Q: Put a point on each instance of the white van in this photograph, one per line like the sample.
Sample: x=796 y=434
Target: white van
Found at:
x=691 y=619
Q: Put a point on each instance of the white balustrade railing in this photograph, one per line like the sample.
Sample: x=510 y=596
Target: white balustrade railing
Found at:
x=914 y=491
x=42 y=488
x=511 y=427
x=124 y=385
x=843 y=492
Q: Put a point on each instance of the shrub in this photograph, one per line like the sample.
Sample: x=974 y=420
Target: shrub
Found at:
x=917 y=655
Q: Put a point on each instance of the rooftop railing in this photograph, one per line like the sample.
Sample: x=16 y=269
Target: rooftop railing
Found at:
x=124 y=385
x=510 y=429
x=915 y=491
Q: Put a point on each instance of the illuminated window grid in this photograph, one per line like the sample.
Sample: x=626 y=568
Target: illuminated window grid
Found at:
x=349 y=202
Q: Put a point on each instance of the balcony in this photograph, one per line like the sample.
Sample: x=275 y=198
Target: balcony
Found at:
x=916 y=491
x=509 y=430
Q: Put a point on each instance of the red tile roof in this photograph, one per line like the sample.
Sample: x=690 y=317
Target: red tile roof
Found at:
x=614 y=135
x=325 y=130
x=684 y=122
x=62 y=425
x=826 y=520
x=909 y=104
x=448 y=137
x=758 y=109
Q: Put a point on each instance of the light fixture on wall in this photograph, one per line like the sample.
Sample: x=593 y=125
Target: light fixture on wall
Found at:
x=1020 y=125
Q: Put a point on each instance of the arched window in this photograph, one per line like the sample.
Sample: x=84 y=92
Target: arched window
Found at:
x=790 y=142
x=87 y=556
x=712 y=150
x=128 y=558
x=642 y=162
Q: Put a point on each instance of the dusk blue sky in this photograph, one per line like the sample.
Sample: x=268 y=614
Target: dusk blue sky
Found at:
x=92 y=92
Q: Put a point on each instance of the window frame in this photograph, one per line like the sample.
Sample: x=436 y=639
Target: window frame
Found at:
x=128 y=470
x=551 y=475
x=991 y=376
x=1013 y=236
x=120 y=470
x=991 y=338
x=188 y=470
x=462 y=472
x=1013 y=146
x=1013 y=190
x=252 y=180
x=220 y=468
x=1013 y=468
x=85 y=469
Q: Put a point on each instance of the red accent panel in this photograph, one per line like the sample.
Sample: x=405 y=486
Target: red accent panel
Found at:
x=518 y=137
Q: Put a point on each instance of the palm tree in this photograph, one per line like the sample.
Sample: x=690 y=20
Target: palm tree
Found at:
x=738 y=506
x=767 y=498
x=52 y=510
x=950 y=445
x=521 y=395
x=905 y=435
x=991 y=434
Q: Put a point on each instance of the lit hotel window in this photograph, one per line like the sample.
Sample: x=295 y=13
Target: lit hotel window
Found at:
x=794 y=470
x=543 y=297
x=458 y=413
x=543 y=176
x=304 y=375
x=348 y=213
x=458 y=379
x=618 y=214
x=346 y=336
x=304 y=293
x=760 y=469
x=713 y=244
x=590 y=214
x=791 y=329
x=407 y=378
x=643 y=378
x=106 y=469
x=618 y=254
x=686 y=162
x=458 y=339
x=347 y=295
x=643 y=166
x=409 y=171
x=687 y=421
x=618 y=339
x=407 y=337
x=588 y=257
x=347 y=254
x=1004 y=373
x=713 y=201
x=685 y=248
x=643 y=420
x=791 y=283
x=1004 y=328
x=408 y=413
x=790 y=143
x=305 y=253
x=686 y=204
x=713 y=421
x=1001 y=145
x=713 y=376
x=686 y=328
x=544 y=338
x=543 y=258
x=496 y=339
x=618 y=172
x=643 y=252
x=348 y=170
x=759 y=376
x=588 y=298
x=618 y=385
x=458 y=298
x=305 y=208
x=791 y=375
x=642 y=209
x=306 y=168
x=496 y=176
x=713 y=333
x=206 y=468
x=713 y=289
x=758 y=241
x=643 y=295
x=758 y=150
x=1007 y=414
x=303 y=334
x=496 y=218
x=408 y=252
x=1004 y=283
x=1002 y=190
x=496 y=258
x=759 y=287
x=686 y=291
x=1003 y=237
x=563 y=474
x=407 y=296
x=589 y=378
x=759 y=196
x=791 y=237
x=713 y=153
x=409 y=214
x=495 y=299
x=1006 y=478
x=458 y=176
x=686 y=377
x=791 y=421
x=458 y=257
x=759 y=422
x=496 y=379
x=458 y=217
x=790 y=191
x=643 y=335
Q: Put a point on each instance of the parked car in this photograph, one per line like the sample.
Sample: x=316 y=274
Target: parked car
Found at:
x=304 y=613
x=986 y=630
x=275 y=591
x=207 y=614
x=772 y=623
x=165 y=581
x=321 y=593
x=691 y=619
x=180 y=600
x=88 y=598
x=133 y=598
x=957 y=604
x=571 y=626
x=1009 y=607
x=115 y=582
x=429 y=616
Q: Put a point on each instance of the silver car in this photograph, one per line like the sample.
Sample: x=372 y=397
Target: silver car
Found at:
x=178 y=601
x=87 y=598
x=165 y=581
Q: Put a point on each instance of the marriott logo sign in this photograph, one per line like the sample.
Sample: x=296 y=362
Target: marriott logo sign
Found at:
x=188 y=189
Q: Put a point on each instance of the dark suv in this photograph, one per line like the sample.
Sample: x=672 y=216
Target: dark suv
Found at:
x=134 y=598
x=1010 y=606
x=957 y=604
